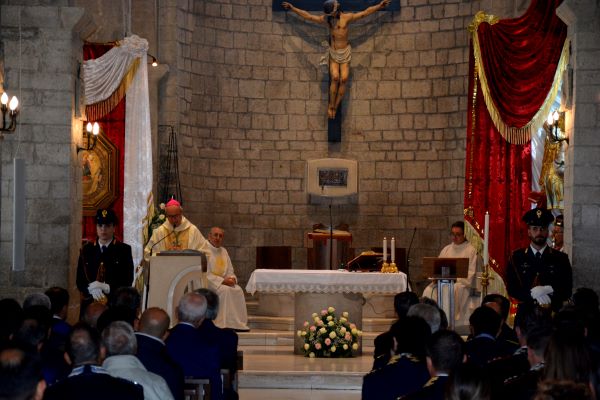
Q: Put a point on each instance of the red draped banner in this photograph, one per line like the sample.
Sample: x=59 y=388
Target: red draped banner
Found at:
x=514 y=72
x=113 y=127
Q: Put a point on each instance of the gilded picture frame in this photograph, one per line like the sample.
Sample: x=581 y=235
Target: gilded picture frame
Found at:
x=99 y=175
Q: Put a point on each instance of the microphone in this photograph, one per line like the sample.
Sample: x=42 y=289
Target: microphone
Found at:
x=408 y=260
x=166 y=236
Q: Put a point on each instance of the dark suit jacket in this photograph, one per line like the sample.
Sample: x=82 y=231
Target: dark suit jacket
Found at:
x=153 y=354
x=225 y=339
x=404 y=374
x=433 y=390
x=94 y=386
x=524 y=272
x=482 y=349
x=197 y=358
x=118 y=265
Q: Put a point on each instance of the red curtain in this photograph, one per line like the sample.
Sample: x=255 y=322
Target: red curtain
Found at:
x=113 y=127
x=520 y=57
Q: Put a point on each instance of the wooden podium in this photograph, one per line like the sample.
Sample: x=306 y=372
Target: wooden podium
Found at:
x=171 y=275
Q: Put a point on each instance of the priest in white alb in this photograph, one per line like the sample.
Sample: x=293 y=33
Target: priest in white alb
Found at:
x=459 y=248
x=176 y=233
x=222 y=279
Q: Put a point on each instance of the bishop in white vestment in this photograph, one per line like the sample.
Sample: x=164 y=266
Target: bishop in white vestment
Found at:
x=459 y=248
x=222 y=279
x=177 y=233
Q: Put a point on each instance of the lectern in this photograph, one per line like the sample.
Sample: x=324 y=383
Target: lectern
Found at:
x=445 y=271
x=171 y=275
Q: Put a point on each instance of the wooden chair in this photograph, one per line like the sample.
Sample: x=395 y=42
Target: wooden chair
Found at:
x=274 y=257
x=196 y=389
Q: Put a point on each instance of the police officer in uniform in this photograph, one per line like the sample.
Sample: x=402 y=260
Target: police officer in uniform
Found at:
x=538 y=272
x=105 y=264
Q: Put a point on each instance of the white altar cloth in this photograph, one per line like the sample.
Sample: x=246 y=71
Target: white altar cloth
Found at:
x=319 y=281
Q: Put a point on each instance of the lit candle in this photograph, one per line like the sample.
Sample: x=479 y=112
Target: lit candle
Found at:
x=486 y=237
x=384 y=249
x=393 y=246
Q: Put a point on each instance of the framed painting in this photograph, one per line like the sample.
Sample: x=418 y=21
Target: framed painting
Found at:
x=99 y=175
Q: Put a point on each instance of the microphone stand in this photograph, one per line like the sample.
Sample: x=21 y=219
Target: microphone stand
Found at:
x=409 y=285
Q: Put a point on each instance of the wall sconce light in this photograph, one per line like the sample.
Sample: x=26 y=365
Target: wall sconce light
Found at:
x=12 y=109
x=154 y=62
x=91 y=136
x=556 y=123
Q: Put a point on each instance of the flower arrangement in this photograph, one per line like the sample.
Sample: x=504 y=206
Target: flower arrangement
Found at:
x=155 y=219
x=329 y=336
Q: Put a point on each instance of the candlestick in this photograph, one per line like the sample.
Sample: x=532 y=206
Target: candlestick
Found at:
x=384 y=249
x=393 y=250
x=486 y=234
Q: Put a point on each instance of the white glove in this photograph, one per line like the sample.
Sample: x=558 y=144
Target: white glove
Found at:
x=541 y=294
x=99 y=285
x=543 y=300
x=96 y=293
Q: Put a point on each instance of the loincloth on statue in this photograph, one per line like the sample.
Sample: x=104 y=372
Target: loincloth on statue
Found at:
x=340 y=56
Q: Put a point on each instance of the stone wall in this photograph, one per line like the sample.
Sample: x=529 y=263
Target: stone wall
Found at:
x=40 y=66
x=256 y=109
x=582 y=177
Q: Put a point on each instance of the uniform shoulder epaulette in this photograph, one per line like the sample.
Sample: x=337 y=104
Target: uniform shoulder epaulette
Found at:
x=431 y=381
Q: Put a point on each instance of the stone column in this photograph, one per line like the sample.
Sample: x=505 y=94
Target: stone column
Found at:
x=582 y=182
x=40 y=60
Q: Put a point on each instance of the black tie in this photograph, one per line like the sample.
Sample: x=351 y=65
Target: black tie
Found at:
x=103 y=249
x=538 y=255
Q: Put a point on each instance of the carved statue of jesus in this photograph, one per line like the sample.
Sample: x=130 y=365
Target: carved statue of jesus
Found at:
x=339 y=48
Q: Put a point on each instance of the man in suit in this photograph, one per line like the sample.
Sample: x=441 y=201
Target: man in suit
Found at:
x=444 y=355
x=226 y=339
x=88 y=380
x=121 y=346
x=20 y=375
x=152 y=352
x=407 y=371
x=384 y=343
x=483 y=347
x=538 y=272
x=198 y=358
x=105 y=264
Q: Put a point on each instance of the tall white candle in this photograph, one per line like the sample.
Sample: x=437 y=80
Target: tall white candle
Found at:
x=393 y=250
x=486 y=237
x=384 y=249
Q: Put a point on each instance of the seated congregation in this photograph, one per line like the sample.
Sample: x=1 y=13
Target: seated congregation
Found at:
x=548 y=355
x=115 y=351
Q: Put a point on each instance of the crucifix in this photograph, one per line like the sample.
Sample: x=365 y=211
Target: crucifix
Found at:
x=340 y=51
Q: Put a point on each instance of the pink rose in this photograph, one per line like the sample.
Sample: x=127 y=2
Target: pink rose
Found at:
x=327 y=341
x=313 y=328
x=318 y=346
x=323 y=312
x=348 y=336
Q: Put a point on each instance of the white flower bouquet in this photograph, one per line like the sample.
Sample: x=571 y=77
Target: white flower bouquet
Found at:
x=329 y=336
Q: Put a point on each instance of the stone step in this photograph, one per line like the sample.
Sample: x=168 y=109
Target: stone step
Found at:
x=288 y=371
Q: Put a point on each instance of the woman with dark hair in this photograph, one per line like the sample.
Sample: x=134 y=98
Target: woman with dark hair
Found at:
x=468 y=383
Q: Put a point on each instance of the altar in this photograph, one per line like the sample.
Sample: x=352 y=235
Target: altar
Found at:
x=299 y=293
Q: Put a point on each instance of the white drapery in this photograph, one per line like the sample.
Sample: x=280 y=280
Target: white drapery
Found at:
x=102 y=77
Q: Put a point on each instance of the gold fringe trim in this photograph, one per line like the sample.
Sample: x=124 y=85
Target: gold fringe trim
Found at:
x=513 y=134
x=97 y=110
x=479 y=18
